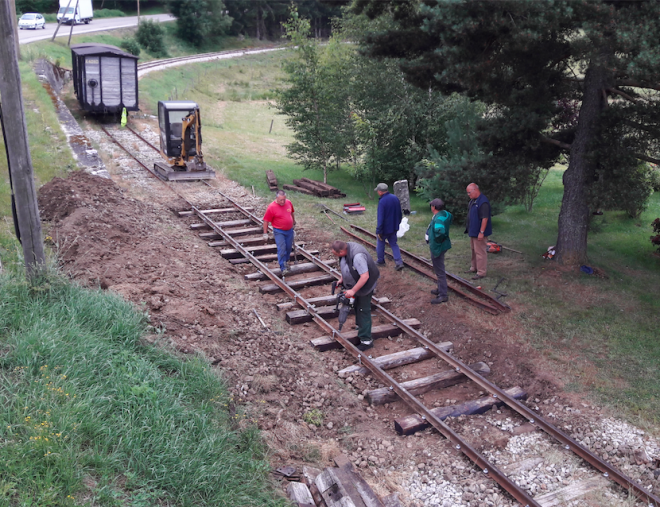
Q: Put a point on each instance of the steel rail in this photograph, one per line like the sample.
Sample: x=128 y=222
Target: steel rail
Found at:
x=569 y=444
x=484 y=306
x=459 y=444
x=143 y=139
x=520 y=495
x=153 y=173
x=461 y=281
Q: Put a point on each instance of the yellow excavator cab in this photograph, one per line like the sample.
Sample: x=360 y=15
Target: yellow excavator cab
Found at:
x=180 y=126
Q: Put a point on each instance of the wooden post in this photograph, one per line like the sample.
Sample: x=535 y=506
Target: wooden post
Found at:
x=19 y=160
x=271 y=126
x=12 y=4
x=59 y=23
x=73 y=22
x=138 y=5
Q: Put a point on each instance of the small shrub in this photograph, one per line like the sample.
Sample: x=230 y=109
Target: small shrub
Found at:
x=108 y=13
x=654 y=179
x=314 y=417
x=131 y=46
x=656 y=229
x=150 y=35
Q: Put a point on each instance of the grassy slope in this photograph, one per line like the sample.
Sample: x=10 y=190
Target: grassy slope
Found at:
x=601 y=332
x=58 y=50
x=91 y=415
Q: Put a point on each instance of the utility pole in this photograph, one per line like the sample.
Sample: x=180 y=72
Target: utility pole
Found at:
x=73 y=22
x=59 y=22
x=12 y=4
x=18 y=149
x=138 y=2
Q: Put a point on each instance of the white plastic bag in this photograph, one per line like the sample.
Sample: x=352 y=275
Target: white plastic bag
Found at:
x=403 y=227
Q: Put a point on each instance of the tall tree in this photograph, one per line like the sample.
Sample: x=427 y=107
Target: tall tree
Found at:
x=526 y=59
x=315 y=102
x=199 y=20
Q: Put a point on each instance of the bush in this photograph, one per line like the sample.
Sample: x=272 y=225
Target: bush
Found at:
x=150 y=35
x=130 y=45
x=654 y=179
x=108 y=13
x=656 y=229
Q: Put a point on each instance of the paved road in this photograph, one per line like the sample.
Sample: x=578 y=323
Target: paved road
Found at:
x=97 y=25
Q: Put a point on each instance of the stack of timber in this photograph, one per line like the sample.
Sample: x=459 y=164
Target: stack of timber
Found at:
x=313 y=187
x=340 y=486
x=272 y=180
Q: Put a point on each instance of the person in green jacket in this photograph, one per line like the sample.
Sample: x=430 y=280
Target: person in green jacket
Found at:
x=437 y=237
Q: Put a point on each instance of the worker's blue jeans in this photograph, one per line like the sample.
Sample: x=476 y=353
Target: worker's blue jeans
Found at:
x=380 y=248
x=284 y=242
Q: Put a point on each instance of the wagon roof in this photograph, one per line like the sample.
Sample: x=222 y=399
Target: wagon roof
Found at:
x=99 y=49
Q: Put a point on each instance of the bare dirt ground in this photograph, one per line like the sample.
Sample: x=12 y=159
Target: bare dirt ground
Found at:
x=124 y=235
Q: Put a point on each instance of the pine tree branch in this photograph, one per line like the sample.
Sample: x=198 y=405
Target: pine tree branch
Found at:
x=637 y=84
x=623 y=94
x=549 y=140
x=647 y=159
x=643 y=127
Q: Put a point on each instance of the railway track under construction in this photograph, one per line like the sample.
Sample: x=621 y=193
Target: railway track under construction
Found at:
x=237 y=232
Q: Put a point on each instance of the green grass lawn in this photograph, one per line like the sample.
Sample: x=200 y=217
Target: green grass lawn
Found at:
x=60 y=52
x=601 y=333
x=92 y=415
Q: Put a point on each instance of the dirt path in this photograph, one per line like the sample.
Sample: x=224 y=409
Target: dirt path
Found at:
x=124 y=235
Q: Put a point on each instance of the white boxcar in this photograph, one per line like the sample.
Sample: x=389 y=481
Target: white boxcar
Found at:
x=104 y=78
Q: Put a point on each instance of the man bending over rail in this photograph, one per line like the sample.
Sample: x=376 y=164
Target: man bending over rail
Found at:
x=281 y=214
x=359 y=274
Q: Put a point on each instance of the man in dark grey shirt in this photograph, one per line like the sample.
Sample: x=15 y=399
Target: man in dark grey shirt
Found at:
x=359 y=275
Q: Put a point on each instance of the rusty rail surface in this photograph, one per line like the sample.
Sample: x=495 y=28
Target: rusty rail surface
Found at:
x=491 y=471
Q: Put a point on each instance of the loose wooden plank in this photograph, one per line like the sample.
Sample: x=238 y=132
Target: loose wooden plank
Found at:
x=334 y=491
x=302 y=316
x=367 y=495
x=320 y=184
x=218 y=210
x=270 y=288
x=254 y=250
x=321 y=192
x=397 y=359
x=242 y=241
x=564 y=495
x=244 y=232
x=228 y=223
x=210 y=235
x=325 y=301
x=300 y=495
x=424 y=384
x=268 y=257
x=409 y=424
x=271 y=180
x=324 y=343
x=298 y=189
x=296 y=269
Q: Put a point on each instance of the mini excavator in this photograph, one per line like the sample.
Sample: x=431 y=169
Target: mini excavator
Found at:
x=181 y=142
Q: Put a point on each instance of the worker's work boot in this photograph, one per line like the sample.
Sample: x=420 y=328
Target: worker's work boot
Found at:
x=437 y=301
x=365 y=346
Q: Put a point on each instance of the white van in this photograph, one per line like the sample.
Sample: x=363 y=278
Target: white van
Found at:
x=83 y=14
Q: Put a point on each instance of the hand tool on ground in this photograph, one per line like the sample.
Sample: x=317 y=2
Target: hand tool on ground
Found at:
x=326 y=209
x=507 y=248
x=494 y=289
x=260 y=319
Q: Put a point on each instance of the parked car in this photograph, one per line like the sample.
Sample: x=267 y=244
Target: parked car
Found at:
x=32 y=20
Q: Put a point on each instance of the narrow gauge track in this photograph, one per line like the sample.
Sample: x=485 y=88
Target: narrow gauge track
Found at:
x=239 y=239
x=145 y=68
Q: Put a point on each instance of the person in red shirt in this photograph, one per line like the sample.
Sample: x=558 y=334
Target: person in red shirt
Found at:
x=281 y=214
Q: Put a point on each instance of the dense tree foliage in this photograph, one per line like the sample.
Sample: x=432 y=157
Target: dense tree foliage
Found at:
x=151 y=36
x=559 y=77
x=264 y=19
x=199 y=20
x=346 y=108
x=43 y=6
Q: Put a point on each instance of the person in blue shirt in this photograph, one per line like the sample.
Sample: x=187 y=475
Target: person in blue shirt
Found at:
x=478 y=228
x=389 y=218
x=437 y=237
